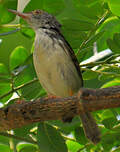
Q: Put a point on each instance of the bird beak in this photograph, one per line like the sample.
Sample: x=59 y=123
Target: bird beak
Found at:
x=23 y=15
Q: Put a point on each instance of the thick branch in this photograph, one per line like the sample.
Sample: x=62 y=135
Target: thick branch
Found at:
x=44 y=109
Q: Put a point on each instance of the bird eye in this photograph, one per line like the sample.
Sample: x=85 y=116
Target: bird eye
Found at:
x=37 y=12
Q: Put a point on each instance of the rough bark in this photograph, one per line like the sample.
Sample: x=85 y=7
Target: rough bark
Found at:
x=18 y=115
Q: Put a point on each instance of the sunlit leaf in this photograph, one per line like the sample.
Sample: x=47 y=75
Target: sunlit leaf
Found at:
x=48 y=135
x=17 y=57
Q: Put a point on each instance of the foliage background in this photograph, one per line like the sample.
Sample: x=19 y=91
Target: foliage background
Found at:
x=86 y=24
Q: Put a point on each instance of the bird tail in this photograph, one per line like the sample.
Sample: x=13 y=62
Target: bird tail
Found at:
x=91 y=129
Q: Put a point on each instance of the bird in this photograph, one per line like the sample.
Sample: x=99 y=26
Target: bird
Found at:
x=56 y=65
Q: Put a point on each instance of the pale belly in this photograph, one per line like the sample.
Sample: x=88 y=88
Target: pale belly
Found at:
x=56 y=71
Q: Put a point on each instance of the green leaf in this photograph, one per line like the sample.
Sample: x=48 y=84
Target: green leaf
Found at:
x=113 y=46
x=11 y=4
x=17 y=57
x=109 y=122
x=5 y=148
x=93 y=39
x=5 y=16
x=66 y=128
x=84 y=53
x=55 y=8
x=28 y=32
x=109 y=26
x=4 y=74
x=49 y=139
x=80 y=136
x=4 y=89
x=4 y=140
x=24 y=131
x=111 y=83
x=32 y=91
x=26 y=147
x=89 y=74
x=106 y=114
x=25 y=75
x=77 y=25
x=33 y=5
x=116 y=39
x=110 y=140
x=90 y=12
x=75 y=38
x=73 y=146
x=86 y=2
x=114 y=6
x=109 y=72
x=3 y=69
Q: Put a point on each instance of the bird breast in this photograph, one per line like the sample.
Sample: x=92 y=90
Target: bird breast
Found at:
x=54 y=67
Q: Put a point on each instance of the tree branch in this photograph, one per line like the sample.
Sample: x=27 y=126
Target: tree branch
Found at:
x=18 y=115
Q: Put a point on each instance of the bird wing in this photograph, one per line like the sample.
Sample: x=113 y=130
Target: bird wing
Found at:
x=72 y=55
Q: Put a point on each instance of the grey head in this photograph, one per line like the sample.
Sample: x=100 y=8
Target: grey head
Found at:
x=39 y=19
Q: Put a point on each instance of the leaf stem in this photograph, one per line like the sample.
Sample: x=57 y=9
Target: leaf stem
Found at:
x=17 y=138
x=92 y=30
x=18 y=88
x=10 y=25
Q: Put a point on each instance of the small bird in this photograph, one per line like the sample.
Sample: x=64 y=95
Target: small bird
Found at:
x=56 y=65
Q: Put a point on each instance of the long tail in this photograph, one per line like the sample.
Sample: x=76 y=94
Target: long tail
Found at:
x=91 y=129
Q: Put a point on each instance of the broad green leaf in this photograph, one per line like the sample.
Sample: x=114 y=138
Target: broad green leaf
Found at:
x=113 y=46
x=111 y=83
x=90 y=12
x=25 y=75
x=73 y=146
x=110 y=140
x=66 y=128
x=86 y=2
x=89 y=74
x=75 y=38
x=24 y=131
x=17 y=57
x=116 y=39
x=103 y=77
x=33 y=5
x=109 y=122
x=77 y=25
x=110 y=26
x=55 y=7
x=80 y=136
x=28 y=32
x=5 y=148
x=4 y=140
x=106 y=114
x=32 y=91
x=4 y=89
x=5 y=16
x=114 y=6
x=49 y=139
x=93 y=39
x=26 y=147
x=11 y=4
x=84 y=53
x=109 y=72
x=4 y=74
x=3 y=69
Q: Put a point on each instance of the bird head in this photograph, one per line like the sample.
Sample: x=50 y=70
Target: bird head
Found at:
x=38 y=19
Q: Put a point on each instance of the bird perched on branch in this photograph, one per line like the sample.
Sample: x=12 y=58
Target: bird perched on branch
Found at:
x=56 y=65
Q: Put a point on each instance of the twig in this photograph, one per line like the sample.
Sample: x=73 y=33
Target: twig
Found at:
x=10 y=32
x=17 y=138
x=18 y=88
